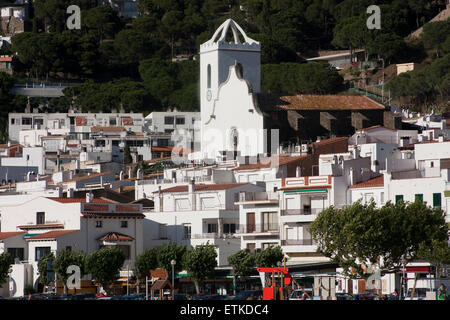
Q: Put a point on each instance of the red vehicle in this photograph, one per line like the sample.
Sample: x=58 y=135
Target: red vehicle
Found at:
x=276 y=281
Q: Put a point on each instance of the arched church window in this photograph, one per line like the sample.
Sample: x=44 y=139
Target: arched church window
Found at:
x=240 y=70
x=209 y=77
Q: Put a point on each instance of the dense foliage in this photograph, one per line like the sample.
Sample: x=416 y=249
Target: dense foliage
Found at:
x=169 y=252
x=6 y=260
x=200 y=262
x=363 y=234
x=66 y=258
x=104 y=265
x=43 y=267
x=269 y=257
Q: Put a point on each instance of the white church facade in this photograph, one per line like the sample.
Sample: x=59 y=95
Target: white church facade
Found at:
x=230 y=76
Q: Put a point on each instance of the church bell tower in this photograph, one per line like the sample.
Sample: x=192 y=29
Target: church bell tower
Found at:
x=216 y=57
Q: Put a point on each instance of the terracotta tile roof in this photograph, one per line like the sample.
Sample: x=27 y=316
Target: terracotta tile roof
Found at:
x=372 y=183
x=51 y=234
x=42 y=226
x=107 y=129
x=282 y=161
x=6 y=235
x=328 y=102
x=115 y=236
x=79 y=200
x=166 y=149
x=330 y=140
x=374 y=127
x=112 y=215
x=94 y=175
x=203 y=187
x=6 y=59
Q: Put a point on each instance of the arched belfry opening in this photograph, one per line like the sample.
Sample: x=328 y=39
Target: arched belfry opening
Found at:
x=208 y=76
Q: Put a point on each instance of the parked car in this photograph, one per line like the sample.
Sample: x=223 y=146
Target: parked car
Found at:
x=419 y=294
x=344 y=296
x=249 y=295
x=181 y=296
x=366 y=296
x=301 y=295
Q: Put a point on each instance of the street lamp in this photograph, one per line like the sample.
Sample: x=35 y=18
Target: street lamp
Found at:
x=173 y=263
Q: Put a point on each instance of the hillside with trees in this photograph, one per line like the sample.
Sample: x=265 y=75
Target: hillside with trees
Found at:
x=135 y=63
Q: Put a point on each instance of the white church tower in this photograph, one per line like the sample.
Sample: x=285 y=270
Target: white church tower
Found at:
x=216 y=57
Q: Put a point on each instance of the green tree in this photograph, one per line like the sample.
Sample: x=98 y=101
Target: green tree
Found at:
x=146 y=261
x=6 y=260
x=127 y=155
x=43 y=267
x=200 y=263
x=361 y=234
x=438 y=254
x=435 y=34
x=169 y=252
x=243 y=263
x=104 y=265
x=63 y=260
x=101 y=21
x=269 y=257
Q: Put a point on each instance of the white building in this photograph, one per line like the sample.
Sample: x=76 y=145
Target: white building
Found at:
x=195 y=214
x=229 y=78
x=43 y=225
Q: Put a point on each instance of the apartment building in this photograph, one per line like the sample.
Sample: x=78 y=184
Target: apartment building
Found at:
x=193 y=214
x=48 y=225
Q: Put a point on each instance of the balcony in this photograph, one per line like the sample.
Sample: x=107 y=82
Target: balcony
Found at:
x=295 y=212
x=213 y=235
x=299 y=245
x=264 y=229
x=256 y=198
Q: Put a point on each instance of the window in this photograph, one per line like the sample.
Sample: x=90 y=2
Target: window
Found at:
x=17 y=253
x=168 y=130
x=13 y=120
x=180 y=120
x=26 y=121
x=187 y=231
x=98 y=224
x=40 y=252
x=39 y=121
x=368 y=197
x=418 y=197
x=398 y=197
x=124 y=224
x=229 y=228
x=40 y=217
x=437 y=200
x=208 y=77
x=168 y=120
x=212 y=227
x=270 y=221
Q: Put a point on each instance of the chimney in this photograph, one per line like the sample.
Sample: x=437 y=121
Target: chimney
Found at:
x=352 y=176
x=298 y=172
x=101 y=181
x=89 y=197
x=121 y=175
x=70 y=175
x=191 y=189
x=441 y=139
x=130 y=173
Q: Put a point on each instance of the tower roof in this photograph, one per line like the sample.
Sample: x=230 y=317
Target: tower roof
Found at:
x=223 y=30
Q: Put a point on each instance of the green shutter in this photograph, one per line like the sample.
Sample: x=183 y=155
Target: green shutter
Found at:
x=398 y=197
x=419 y=197
x=436 y=199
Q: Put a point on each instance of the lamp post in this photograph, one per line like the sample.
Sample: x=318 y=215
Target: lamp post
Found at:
x=173 y=263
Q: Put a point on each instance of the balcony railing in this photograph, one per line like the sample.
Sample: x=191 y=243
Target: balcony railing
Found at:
x=298 y=242
x=293 y=212
x=256 y=196
x=258 y=228
x=213 y=235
